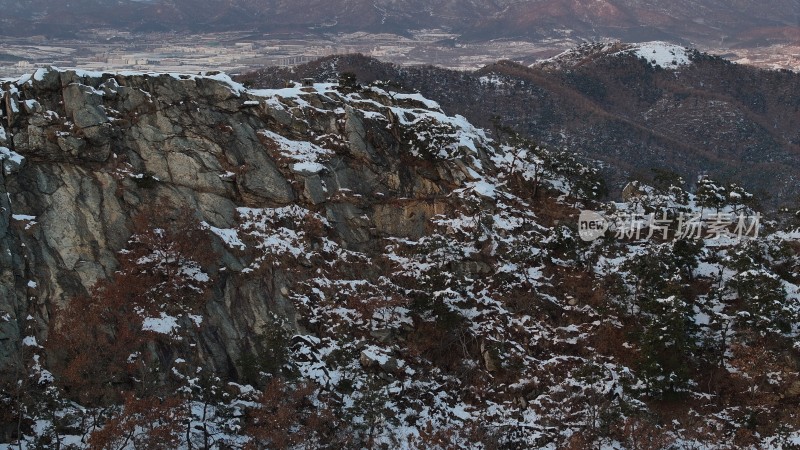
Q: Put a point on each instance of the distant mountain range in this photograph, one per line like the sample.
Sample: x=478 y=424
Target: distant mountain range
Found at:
x=737 y=22
x=632 y=107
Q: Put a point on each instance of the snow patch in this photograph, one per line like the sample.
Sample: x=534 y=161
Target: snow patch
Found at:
x=663 y=54
x=228 y=235
x=10 y=159
x=307 y=154
x=165 y=324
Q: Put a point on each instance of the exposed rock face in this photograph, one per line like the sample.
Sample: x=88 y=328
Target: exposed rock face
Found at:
x=366 y=243
x=84 y=152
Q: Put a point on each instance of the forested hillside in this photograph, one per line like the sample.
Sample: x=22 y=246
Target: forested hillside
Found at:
x=189 y=263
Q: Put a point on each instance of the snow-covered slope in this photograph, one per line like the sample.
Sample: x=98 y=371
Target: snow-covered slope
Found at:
x=657 y=53
x=661 y=54
x=351 y=266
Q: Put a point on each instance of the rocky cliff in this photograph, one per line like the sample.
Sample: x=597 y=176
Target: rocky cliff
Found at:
x=84 y=152
x=187 y=263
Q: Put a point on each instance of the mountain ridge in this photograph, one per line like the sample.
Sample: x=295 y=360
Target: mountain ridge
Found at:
x=611 y=105
x=187 y=262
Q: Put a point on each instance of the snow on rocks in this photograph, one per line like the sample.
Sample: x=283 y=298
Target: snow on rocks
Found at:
x=165 y=324
x=168 y=324
x=11 y=160
x=307 y=154
x=229 y=236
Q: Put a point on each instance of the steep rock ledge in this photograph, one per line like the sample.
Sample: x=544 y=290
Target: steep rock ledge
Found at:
x=84 y=152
